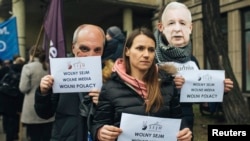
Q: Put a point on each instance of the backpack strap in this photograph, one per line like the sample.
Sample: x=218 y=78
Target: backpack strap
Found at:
x=86 y=108
x=3 y=78
x=85 y=104
x=11 y=69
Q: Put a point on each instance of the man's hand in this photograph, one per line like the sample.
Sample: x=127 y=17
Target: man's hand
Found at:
x=46 y=84
x=94 y=94
x=228 y=85
x=179 y=81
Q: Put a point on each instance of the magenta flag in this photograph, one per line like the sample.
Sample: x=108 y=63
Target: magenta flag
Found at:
x=54 y=42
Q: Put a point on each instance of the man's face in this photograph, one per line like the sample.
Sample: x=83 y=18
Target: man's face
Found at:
x=108 y=37
x=89 y=43
x=177 y=27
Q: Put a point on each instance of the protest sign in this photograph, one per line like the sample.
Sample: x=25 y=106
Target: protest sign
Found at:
x=79 y=74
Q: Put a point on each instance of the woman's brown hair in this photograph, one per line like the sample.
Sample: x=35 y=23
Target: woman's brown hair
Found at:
x=38 y=52
x=154 y=100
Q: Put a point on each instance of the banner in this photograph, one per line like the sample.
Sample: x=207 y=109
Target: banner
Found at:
x=8 y=39
x=54 y=42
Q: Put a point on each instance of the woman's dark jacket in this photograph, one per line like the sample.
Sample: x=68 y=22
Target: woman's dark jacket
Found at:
x=117 y=97
x=69 y=125
x=11 y=105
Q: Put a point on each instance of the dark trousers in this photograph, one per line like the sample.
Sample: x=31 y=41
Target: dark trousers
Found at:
x=190 y=122
x=188 y=116
x=11 y=126
x=39 y=132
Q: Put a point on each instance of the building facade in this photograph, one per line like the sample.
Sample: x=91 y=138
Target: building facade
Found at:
x=129 y=14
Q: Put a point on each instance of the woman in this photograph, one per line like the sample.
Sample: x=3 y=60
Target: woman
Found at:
x=38 y=129
x=12 y=100
x=134 y=87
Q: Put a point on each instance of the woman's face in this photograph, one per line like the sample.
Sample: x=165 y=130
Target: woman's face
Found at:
x=141 y=54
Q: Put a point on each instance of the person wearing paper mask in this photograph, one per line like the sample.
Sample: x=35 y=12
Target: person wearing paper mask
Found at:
x=174 y=45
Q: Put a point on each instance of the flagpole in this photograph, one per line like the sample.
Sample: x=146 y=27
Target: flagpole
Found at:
x=37 y=42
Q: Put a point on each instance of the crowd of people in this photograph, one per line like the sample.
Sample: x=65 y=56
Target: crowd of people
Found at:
x=136 y=79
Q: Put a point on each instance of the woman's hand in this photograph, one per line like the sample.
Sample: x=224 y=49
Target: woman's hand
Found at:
x=108 y=133
x=184 y=135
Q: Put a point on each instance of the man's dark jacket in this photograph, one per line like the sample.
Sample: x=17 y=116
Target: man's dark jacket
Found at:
x=69 y=124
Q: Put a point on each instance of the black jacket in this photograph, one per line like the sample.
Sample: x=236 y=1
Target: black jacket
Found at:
x=11 y=105
x=113 y=50
x=69 y=125
x=117 y=97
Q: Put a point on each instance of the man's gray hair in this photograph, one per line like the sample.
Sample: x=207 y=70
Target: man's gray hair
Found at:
x=79 y=28
x=175 y=5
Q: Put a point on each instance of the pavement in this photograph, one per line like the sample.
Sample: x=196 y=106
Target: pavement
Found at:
x=22 y=134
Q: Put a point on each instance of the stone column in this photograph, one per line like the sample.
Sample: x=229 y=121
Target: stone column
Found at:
x=1 y=19
x=235 y=44
x=197 y=42
x=127 y=20
x=18 y=8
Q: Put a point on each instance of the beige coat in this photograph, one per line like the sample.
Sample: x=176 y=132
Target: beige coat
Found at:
x=30 y=79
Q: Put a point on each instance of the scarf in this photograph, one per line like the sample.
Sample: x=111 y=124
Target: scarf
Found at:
x=138 y=85
x=168 y=53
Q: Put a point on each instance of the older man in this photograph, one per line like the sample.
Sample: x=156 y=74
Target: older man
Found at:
x=70 y=125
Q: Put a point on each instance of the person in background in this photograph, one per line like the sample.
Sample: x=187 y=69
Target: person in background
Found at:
x=174 y=45
x=38 y=129
x=1 y=63
x=114 y=46
x=12 y=104
x=17 y=59
x=7 y=63
x=72 y=110
x=113 y=49
x=1 y=99
x=137 y=86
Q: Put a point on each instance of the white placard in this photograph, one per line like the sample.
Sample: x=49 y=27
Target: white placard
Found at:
x=79 y=74
x=203 y=86
x=147 y=128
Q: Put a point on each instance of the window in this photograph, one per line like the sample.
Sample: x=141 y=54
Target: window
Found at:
x=246 y=50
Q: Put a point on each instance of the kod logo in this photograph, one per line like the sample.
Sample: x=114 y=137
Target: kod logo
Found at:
x=4 y=31
x=2 y=46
